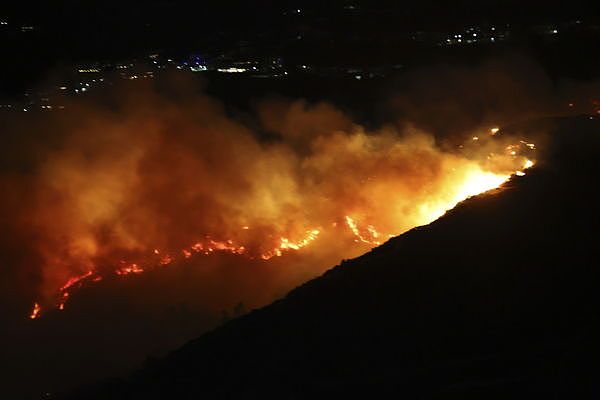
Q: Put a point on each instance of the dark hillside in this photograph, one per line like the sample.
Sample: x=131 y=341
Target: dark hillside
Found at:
x=497 y=299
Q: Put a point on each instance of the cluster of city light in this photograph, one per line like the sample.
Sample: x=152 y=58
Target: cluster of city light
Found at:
x=232 y=70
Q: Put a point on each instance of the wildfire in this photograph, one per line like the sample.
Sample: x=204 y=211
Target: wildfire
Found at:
x=354 y=221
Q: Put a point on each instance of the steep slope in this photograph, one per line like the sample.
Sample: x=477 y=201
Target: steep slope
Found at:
x=496 y=299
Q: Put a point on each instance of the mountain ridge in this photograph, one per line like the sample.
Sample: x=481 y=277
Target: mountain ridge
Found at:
x=497 y=299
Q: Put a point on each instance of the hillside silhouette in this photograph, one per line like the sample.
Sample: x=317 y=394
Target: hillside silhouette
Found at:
x=497 y=299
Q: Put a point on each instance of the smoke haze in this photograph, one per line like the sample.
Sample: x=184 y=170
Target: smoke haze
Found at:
x=141 y=175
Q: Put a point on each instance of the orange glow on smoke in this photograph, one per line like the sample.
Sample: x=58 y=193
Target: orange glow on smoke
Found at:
x=126 y=214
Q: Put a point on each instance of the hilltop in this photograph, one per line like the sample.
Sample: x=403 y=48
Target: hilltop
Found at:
x=497 y=299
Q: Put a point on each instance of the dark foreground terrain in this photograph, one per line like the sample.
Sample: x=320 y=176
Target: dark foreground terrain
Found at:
x=498 y=299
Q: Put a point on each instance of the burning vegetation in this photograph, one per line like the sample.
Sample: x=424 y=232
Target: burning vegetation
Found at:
x=150 y=186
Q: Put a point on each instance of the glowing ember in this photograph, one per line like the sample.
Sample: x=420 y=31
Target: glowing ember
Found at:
x=166 y=260
x=35 y=312
x=211 y=245
x=530 y=145
x=129 y=269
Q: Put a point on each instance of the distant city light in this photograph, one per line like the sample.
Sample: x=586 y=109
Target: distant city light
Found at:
x=232 y=70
